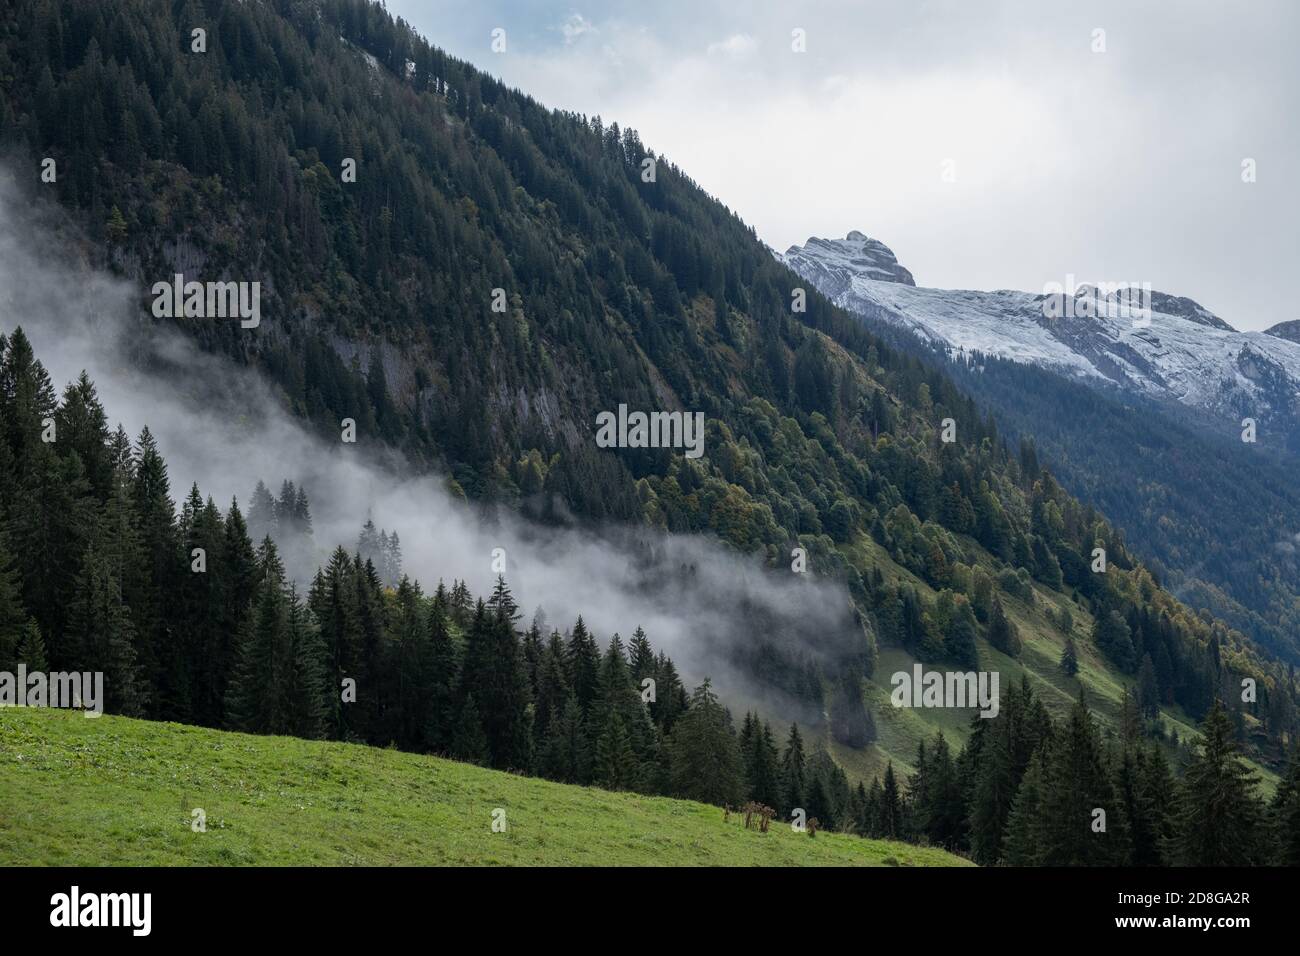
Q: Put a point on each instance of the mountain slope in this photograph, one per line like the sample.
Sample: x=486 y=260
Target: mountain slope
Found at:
x=617 y=288
x=1179 y=352
x=120 y=792
x=1220 y=536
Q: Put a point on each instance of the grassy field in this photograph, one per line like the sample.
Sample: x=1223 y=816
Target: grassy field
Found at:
x=114 y=791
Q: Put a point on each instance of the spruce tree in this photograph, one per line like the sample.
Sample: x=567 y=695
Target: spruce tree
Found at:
x=469 y=742
x=1285 y=814
x=1026 y=841
x=793 y=778
x=583 y=663
x=703 y=757
x=891 y=823
x=1002 y=632
x=1079 y=785
x=615 y=766
x=31 y=650
x=1218 y=816
x=444 y=678
x=305 y=690
x=567 y=754
x=1069 y=658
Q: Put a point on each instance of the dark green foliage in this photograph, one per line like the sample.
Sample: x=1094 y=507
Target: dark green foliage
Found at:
x=1285 y=813
x=1002 y=632
x=1069 y=658
x=1219 y=820
x=794 y=782
x=703 y=756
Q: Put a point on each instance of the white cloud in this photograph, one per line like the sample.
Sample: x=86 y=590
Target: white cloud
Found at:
x=575 y=26
x=736 y=47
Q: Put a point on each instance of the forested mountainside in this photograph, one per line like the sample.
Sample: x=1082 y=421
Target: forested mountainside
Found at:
x=621 y=287
x=1215 y=517
x=1211 y=522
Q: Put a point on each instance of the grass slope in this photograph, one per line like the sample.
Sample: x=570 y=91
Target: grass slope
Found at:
x=901 y=729
x=114 y=791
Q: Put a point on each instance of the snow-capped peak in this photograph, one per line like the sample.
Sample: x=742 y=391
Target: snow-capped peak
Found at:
x=1160 y=345
x=855 y=255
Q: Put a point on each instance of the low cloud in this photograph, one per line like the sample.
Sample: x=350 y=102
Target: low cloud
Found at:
x=222 y=426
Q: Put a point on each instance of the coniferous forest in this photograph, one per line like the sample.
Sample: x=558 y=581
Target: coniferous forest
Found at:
x=191 y=621
x=916 y=490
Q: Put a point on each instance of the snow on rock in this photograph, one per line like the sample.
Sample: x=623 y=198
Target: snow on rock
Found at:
x=1177 y=349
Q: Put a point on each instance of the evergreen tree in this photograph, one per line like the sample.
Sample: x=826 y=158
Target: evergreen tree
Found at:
x=264 y=656
x=1069 y=658
x=567 y=755
x=1078 y=786
x=616 y=764
x=444 y=677
x=703 y=757
x=31 y=650
x=1002 y=632
x=1285 y=813
x=1026 y=839
x=583 y=663
x=1218 y=816
x=793 y=778
x=890 y=823
x=469 y=742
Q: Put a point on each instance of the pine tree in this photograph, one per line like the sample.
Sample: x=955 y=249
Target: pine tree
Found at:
x=1026 y=843
x=583 y=662
x=616 y=764
x=444 y=677
x=792 y=778
x=553 y=688
x=891 y=823
x=13 y=616
x=764 y=770
x=641 y=658
x=494 y=672
x=567 y=755
x=1002 y=632
x=1144 y=840
x=702 y=753
x=1159 y=796
x=1285 y=814
x=262 y=514
x=469 y=742
x=264 y=655
x=305 y=689
x=150 y=594
x=1079 y=785
x=1069 y=658
x=1218 y=816
x=102 y=630
x=1148 y=689
x=31 y=650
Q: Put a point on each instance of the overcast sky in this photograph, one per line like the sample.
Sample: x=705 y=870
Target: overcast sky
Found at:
x=1116 y=166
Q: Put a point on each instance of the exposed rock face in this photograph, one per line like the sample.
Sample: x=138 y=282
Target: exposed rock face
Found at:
x=834 y=263
x=1286 y=330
